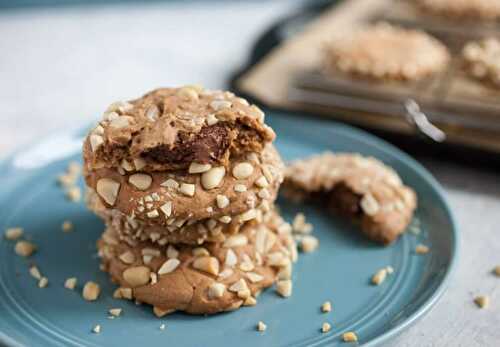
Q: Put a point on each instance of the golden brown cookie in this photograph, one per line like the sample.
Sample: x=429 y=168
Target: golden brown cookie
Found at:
x=201 y=280
x=462 y=9
x=361 y=188
x=166 y=198
x=482 y=60
x=170 y=128
x=131 y=230
x=385 y=52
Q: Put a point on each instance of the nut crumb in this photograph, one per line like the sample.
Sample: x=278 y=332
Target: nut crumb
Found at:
x=13 y=233
x=482 y=301
x=44 y=281
x=91 y=291
x=326 y=307
x=379 y=276
x=70 y=283
x=34 y=272
x=24 y=248
x=96 y=329
x=74 y=194
x=162 y=327
x=67 y=226
x=261 y=326
x=115 y=312
x=326 y=327
x=421 y=249
x=496 y=270
x=349 y=336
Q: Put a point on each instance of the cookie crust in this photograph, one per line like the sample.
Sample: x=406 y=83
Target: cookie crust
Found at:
x=462 y=9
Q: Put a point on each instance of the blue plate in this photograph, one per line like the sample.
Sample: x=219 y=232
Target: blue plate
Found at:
x=339 y=271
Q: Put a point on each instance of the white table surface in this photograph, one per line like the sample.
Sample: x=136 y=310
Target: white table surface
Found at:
x=60 y=67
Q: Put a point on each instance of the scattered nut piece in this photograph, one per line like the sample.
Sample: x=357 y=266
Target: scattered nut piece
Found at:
x=172 y=252
x=162 y=327
x=326 y=307
x=70 y=283
x=24 y=248
x=91 y=291
x=482 y=301
x=170 y=183
x=261 y=326
x=13 y=233
x=34 y=272
x=222 y=201
x=44 y=281
x=369 y=205
x=379 y=276
x=309 y=243
x=128 y=257
x=139 y=163
x=496 y=270
x=96 y=329
x=74 y=194
x=115 y=312
x=159 y=312
x=326 y=327
x=167 y=208
x=242 y=170
x=262 y=182
x=349 y=336
x=284 y=288
x=237 y=240
x=67 y=226
x=421 y=249
x=240 y=188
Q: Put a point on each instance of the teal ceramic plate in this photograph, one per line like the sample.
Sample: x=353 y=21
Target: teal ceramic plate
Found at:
x=339 y=271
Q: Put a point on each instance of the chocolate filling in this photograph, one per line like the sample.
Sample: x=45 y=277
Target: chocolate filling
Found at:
x=206 y=147
x=343 y=200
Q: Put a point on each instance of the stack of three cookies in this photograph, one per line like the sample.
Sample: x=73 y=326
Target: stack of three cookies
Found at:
x=185 y=180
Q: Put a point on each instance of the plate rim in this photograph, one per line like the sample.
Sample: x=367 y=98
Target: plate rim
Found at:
x=358 y=135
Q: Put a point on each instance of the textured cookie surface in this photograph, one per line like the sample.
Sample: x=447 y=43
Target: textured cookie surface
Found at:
x=459 y=9
x=202 y=280
x=167 y=198
x=482 y=60
x=361 y=188
x=170 y=128
x=385 y=52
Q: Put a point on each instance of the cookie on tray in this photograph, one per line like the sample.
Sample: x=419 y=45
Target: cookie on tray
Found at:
x=157 y=198
x=171 y=128
x=462 y=9
x=212 y=278
x=362 y=188
x=386 y=53
x=482 y=60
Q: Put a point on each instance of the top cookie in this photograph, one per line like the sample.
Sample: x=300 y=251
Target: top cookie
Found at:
x=170 y=128
x=385 y=52
x=459 y=9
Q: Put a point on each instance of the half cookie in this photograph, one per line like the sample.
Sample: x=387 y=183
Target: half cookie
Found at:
x=362 y=188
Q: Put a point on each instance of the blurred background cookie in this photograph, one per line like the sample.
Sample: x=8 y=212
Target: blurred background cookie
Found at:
x=482 y=60
x=460 y=9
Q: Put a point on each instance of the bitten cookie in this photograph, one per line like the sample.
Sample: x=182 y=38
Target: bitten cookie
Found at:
x=482 y=60
x=167 y=198
x=384 y=52
x=462 y=9
x=201 y=280
x=170 y=128
x=361 y=188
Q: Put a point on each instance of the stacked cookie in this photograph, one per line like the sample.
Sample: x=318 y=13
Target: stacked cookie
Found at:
x=185 y=180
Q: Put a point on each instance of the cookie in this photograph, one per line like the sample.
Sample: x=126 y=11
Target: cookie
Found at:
x=361 y=188
x=171 y=128
x=482 y=60
x=201 y=280
x=387 y=53
x=131 y=230
x=157 y=198
x=462 y=9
